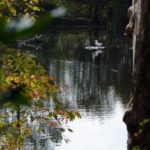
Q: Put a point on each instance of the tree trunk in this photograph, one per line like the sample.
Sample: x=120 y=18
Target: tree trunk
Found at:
x=137 y=118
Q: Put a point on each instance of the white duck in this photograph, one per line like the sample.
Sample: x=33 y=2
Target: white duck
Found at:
x=97 y=43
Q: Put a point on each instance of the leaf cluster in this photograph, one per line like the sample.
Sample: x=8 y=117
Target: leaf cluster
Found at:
x=24 y=82
x=25 y=86
x=12 y=8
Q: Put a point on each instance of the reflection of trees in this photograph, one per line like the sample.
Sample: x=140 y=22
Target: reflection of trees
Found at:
x=87 y=81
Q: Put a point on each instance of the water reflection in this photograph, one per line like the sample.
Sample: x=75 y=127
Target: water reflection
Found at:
x=98 y=86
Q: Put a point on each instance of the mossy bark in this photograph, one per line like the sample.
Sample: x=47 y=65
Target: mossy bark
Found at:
x=137 y=118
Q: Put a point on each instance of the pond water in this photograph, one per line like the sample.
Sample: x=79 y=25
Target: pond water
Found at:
x=96 y=82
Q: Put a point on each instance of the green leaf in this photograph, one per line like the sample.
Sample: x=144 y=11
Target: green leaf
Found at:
x=62 y=129
x=35 y=8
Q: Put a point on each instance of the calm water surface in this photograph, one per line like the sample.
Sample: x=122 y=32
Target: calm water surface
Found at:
x=95 y=83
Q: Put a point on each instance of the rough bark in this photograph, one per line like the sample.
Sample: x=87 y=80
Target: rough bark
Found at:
x=137 y=118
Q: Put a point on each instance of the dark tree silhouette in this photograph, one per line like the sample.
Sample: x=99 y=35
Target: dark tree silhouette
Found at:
x=137 y=118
